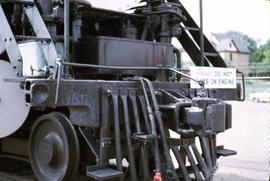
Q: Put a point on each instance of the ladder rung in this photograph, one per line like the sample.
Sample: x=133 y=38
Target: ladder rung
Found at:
x=191 y=28
x=208 y=54
x=29 y=2
x=20 y=37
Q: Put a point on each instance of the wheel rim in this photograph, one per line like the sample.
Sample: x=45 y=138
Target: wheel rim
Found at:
x=54 y=148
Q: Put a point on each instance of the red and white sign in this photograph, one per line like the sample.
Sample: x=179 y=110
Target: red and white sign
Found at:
x=213 y=78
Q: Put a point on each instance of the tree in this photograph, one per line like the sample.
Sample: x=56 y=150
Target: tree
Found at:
x=261 y=54
x=260 y=60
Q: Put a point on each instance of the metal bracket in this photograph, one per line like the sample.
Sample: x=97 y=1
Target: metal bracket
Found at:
x=41 y=31
x=10 y=43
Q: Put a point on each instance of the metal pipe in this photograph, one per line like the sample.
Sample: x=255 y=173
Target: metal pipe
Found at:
x=117 y=134
x=145 y=163
x=192 y=162
x=110 y=67
x=135 y=112
x=66 y=29
x=144 y=112
x=243 y=85
x=181 y=164
x=201 y=83
x=153 y=128
x=178 y=63
x=131 y=159
x=201 y=33
x=143 y=155
x=166 y=150
x=205 y=151
x=201 y=162
x=89 y=143
x=211 y=140
x=59 y=69
x=148 y=129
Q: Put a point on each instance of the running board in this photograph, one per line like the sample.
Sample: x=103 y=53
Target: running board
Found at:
x=103 y=172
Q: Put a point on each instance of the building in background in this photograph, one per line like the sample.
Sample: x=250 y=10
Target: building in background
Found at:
x=234 y=51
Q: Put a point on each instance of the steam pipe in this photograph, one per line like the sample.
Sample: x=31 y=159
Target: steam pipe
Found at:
x=166 y=150
x=153 y=127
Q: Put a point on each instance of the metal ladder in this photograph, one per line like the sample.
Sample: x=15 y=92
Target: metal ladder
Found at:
x=39 y=27
x=195 y=43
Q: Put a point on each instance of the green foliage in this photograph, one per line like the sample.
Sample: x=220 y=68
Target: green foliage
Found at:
x=261 y=54
x=257 y=55
x=260 y=59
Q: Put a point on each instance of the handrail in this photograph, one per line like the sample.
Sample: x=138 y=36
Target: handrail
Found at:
x=201 y=83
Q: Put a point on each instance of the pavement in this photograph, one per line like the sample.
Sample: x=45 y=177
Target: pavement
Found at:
x=250 y=137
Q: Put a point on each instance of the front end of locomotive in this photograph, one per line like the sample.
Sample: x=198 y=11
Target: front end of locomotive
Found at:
x=115 y=104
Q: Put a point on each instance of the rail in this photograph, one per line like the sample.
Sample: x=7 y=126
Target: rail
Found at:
x=60 y=64
x=201 y=83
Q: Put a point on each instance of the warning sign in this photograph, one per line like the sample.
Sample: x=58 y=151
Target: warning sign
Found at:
x=213 y=78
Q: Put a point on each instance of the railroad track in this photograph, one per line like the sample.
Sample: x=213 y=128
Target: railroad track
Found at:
x=15 y=170
x=5 y=176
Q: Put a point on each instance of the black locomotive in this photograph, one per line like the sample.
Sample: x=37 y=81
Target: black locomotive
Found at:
x=101 y=94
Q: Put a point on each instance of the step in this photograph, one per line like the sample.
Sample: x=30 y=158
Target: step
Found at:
x=21 y=37
x=221 y=151
x=103 y=172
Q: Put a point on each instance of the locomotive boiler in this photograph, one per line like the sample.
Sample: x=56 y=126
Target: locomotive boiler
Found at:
x=94 y=94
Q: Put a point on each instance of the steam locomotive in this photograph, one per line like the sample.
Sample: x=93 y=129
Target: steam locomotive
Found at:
x=94 y=94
